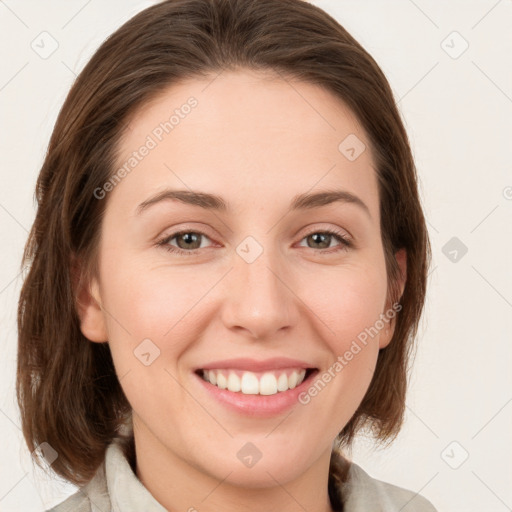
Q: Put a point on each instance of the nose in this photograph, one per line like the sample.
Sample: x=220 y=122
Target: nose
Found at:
x=259 y=297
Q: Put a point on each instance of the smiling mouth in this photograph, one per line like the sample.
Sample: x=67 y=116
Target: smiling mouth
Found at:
x=245 y=382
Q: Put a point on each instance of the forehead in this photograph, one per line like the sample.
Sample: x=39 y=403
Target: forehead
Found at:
x=247 y=135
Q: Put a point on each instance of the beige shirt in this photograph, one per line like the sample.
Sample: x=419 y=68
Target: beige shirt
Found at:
x=116 y=488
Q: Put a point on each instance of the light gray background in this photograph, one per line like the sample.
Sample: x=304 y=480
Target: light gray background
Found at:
x=458 y=112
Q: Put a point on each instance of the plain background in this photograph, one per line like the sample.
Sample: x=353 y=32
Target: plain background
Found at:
x=456 y=102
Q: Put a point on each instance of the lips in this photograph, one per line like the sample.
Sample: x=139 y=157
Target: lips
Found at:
x=252 y=365
x=251 y=400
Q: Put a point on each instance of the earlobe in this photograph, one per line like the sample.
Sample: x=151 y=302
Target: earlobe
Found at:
x=391 y=312
x=88 y=304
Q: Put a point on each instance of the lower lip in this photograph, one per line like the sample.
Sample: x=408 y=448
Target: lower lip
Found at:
x=257 y=405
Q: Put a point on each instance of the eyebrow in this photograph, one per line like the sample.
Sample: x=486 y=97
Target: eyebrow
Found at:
x=214 y=202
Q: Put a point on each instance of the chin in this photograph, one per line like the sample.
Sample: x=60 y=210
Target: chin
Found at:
x=265 y=472
x=260 y=477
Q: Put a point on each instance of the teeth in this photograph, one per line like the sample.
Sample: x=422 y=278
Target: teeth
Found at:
x=234 y=383
x=268 y=383
x=282 y=382
x=222 y=382
x=249 y=384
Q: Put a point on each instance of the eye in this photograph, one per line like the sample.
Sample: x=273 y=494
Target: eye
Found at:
x=189 y=242
x=324 y=239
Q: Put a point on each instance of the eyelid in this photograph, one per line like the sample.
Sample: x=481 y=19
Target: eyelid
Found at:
x=319 y=227
x=187 y=228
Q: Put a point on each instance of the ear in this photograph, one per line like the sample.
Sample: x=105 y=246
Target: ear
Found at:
x=390 y=312
x=88 y=304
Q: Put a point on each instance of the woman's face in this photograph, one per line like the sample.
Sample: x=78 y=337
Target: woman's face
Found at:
x=254 y=287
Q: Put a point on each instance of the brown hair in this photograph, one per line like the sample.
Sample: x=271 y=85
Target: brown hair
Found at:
x=67 y=389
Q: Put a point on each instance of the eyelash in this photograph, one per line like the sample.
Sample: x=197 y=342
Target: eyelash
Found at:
x=341 y=237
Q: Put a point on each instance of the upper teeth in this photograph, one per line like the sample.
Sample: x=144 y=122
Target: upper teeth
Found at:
x=250 y=383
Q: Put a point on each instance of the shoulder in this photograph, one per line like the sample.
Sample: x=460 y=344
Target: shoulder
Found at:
x=91 y=497
x=362 y=492
x=77 y=502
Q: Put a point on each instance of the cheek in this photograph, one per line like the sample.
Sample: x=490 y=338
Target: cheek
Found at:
x=348 y=306
x=169 y=308
x=152 y=323
x=150 y=304
x=349 y=301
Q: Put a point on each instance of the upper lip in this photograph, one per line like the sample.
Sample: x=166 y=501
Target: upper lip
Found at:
x=253 y=365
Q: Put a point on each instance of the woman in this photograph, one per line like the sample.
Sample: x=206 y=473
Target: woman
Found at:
x=227 y=267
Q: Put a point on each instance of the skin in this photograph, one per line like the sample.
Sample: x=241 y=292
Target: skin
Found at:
x=256 y=141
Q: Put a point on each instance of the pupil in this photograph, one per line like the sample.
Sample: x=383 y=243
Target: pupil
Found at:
x=189 y=237
x=321 y=235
